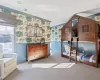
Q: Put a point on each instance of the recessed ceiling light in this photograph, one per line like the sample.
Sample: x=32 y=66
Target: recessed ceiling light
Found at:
x=46 y=7
x=19 y=2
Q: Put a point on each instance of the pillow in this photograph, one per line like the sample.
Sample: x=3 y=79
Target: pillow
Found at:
x=67 y=48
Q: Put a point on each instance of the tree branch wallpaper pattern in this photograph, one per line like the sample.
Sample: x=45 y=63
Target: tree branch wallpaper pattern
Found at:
x=97 y=18
x=30 y=29
x=56 y=33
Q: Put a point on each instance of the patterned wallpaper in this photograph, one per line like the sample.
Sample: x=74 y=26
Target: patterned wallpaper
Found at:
x=56 y=33
x=30 y=29
x=97 y=18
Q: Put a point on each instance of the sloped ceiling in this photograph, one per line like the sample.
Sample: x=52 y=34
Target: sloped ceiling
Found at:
x=57 y=11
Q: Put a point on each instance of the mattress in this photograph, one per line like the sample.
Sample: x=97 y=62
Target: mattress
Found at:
x=83 y=56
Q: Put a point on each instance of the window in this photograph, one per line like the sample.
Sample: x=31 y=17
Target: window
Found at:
x=85 y=28
x=7 y=38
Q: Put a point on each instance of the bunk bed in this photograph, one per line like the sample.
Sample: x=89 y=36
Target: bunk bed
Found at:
x=77 y=30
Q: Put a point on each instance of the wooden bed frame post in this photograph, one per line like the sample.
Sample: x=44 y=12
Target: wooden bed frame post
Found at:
x=61 y=48
x=97 y=51
x=70 y=49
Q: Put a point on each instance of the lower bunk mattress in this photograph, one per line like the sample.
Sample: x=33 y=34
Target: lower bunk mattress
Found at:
x=83 y=57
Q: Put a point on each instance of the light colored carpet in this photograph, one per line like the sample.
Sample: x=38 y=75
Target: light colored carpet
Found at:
x=78 y=71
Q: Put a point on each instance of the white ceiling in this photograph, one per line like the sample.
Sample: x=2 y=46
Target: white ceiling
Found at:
x=57 y=11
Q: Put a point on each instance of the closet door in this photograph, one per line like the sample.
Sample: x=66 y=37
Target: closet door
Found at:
x=66 y=32
x=86 y=29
